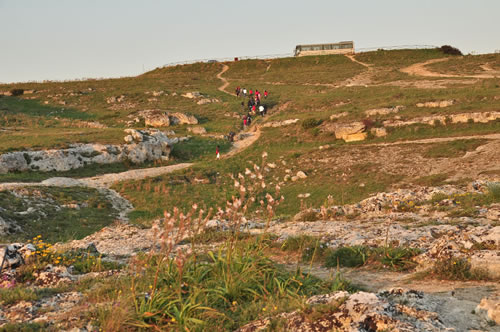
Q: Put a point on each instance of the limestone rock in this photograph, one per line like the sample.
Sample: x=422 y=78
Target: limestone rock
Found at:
x=145 y=145
x=379 y=132
x=437 y=104
x=393 y=310
x=275 y=124
x=191 y=95
x=338 y=116
x=349 y=132
x=198 y=130
x=490 y=307
x=384 y=110
x=157 y=120
x=182 y=118
x=301 y=175
x=355 y=137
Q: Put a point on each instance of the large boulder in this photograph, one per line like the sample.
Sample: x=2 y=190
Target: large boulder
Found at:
x=182 y=118
x=157 y=120
x=490 y=308
x=198 y=130
x=354 y=131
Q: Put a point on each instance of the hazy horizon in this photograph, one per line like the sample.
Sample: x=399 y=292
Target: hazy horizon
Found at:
x=57 y=40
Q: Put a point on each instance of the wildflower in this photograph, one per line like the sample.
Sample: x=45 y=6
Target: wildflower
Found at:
x=263 y=309
x=173 y=319
x=235 y=303
x=150 y=286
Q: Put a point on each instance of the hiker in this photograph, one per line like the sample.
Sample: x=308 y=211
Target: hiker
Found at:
x=249 y=104
x=237 y=91
x=250 y=92
x=242 y=106
x=265 y=94
x=217 y=152
x=265 y=109
x=231 y=136
x=249 y=120
x=254 y=109
x=261 y=110
x=245 y=119
x=244 y=92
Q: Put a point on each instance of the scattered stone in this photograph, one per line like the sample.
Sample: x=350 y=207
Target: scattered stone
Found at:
x=145 y=145
x=275 y=124
x=198 y=130
x=301 y=175
x=349 y=132
x=379 y=132
x=437 y=104
x=478 y=117
x=490 y=308
x=384 y=110
x=338 y=115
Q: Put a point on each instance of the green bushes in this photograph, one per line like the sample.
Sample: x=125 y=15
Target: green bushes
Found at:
x=450 y=50
x=395 y=258
x=454 y=268
x=311 y=123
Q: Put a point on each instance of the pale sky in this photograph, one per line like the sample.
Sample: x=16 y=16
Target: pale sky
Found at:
x=73 y=39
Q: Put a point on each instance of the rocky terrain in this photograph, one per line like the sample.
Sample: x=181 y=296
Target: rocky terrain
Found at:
x=367 y=199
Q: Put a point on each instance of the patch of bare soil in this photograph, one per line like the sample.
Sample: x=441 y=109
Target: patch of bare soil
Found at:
x=406 y=158
x=419 y=69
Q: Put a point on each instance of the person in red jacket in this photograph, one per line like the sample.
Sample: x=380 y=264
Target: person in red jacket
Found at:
x=217 y=152
x=265 y=93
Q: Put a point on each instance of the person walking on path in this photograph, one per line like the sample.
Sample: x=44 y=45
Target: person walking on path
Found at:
x=265 y=93
x=238 y=91
x=217 y=152
x=245 y=92
x=261 y=110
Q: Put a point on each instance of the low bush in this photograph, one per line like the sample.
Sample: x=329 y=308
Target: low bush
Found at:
x=16 y=92
x=454 y=268
x=310 y=123
x=450 y=50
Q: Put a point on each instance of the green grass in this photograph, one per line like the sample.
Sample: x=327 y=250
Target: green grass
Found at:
x=467 y=65
x=224 y=289
x=395 y=258
x=50 y=218
x=453 y=149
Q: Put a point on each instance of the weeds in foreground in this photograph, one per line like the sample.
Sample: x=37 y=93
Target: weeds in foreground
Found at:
x=455 y=268
x=190 y=288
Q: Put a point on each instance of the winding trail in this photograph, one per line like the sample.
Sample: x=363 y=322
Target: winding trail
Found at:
x=438 y=140
x=419 y=69
x=225 y=82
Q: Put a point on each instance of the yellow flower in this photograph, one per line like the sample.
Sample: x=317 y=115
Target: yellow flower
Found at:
x=173 y=319
x=263 y=309
x=150 y=287
x=275 y=308
x=235 y=303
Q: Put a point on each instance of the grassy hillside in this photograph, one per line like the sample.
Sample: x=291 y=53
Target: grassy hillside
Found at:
x=314 y=87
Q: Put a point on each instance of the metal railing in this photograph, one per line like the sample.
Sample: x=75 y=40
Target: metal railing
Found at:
x=291 y=54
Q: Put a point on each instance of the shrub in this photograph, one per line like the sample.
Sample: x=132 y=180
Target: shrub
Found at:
x=347 y=256
x=447 y=49
x=494 y=190
x=369 y=123
x=310 y=123
x=454 y=268
x=16 y=92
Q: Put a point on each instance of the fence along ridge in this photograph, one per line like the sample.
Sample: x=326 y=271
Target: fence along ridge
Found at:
x=288 y=55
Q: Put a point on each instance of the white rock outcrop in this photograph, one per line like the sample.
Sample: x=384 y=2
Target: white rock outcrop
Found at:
x=141 y=146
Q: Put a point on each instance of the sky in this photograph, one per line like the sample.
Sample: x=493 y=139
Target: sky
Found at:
x=75 y=39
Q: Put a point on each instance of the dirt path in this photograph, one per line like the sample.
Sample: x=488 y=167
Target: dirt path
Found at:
x=419 y=69
x=250 y=137
x=225 y=82
x=437 y=140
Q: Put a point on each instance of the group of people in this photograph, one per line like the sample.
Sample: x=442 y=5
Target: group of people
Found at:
x=253 y=106
x=250 y=93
